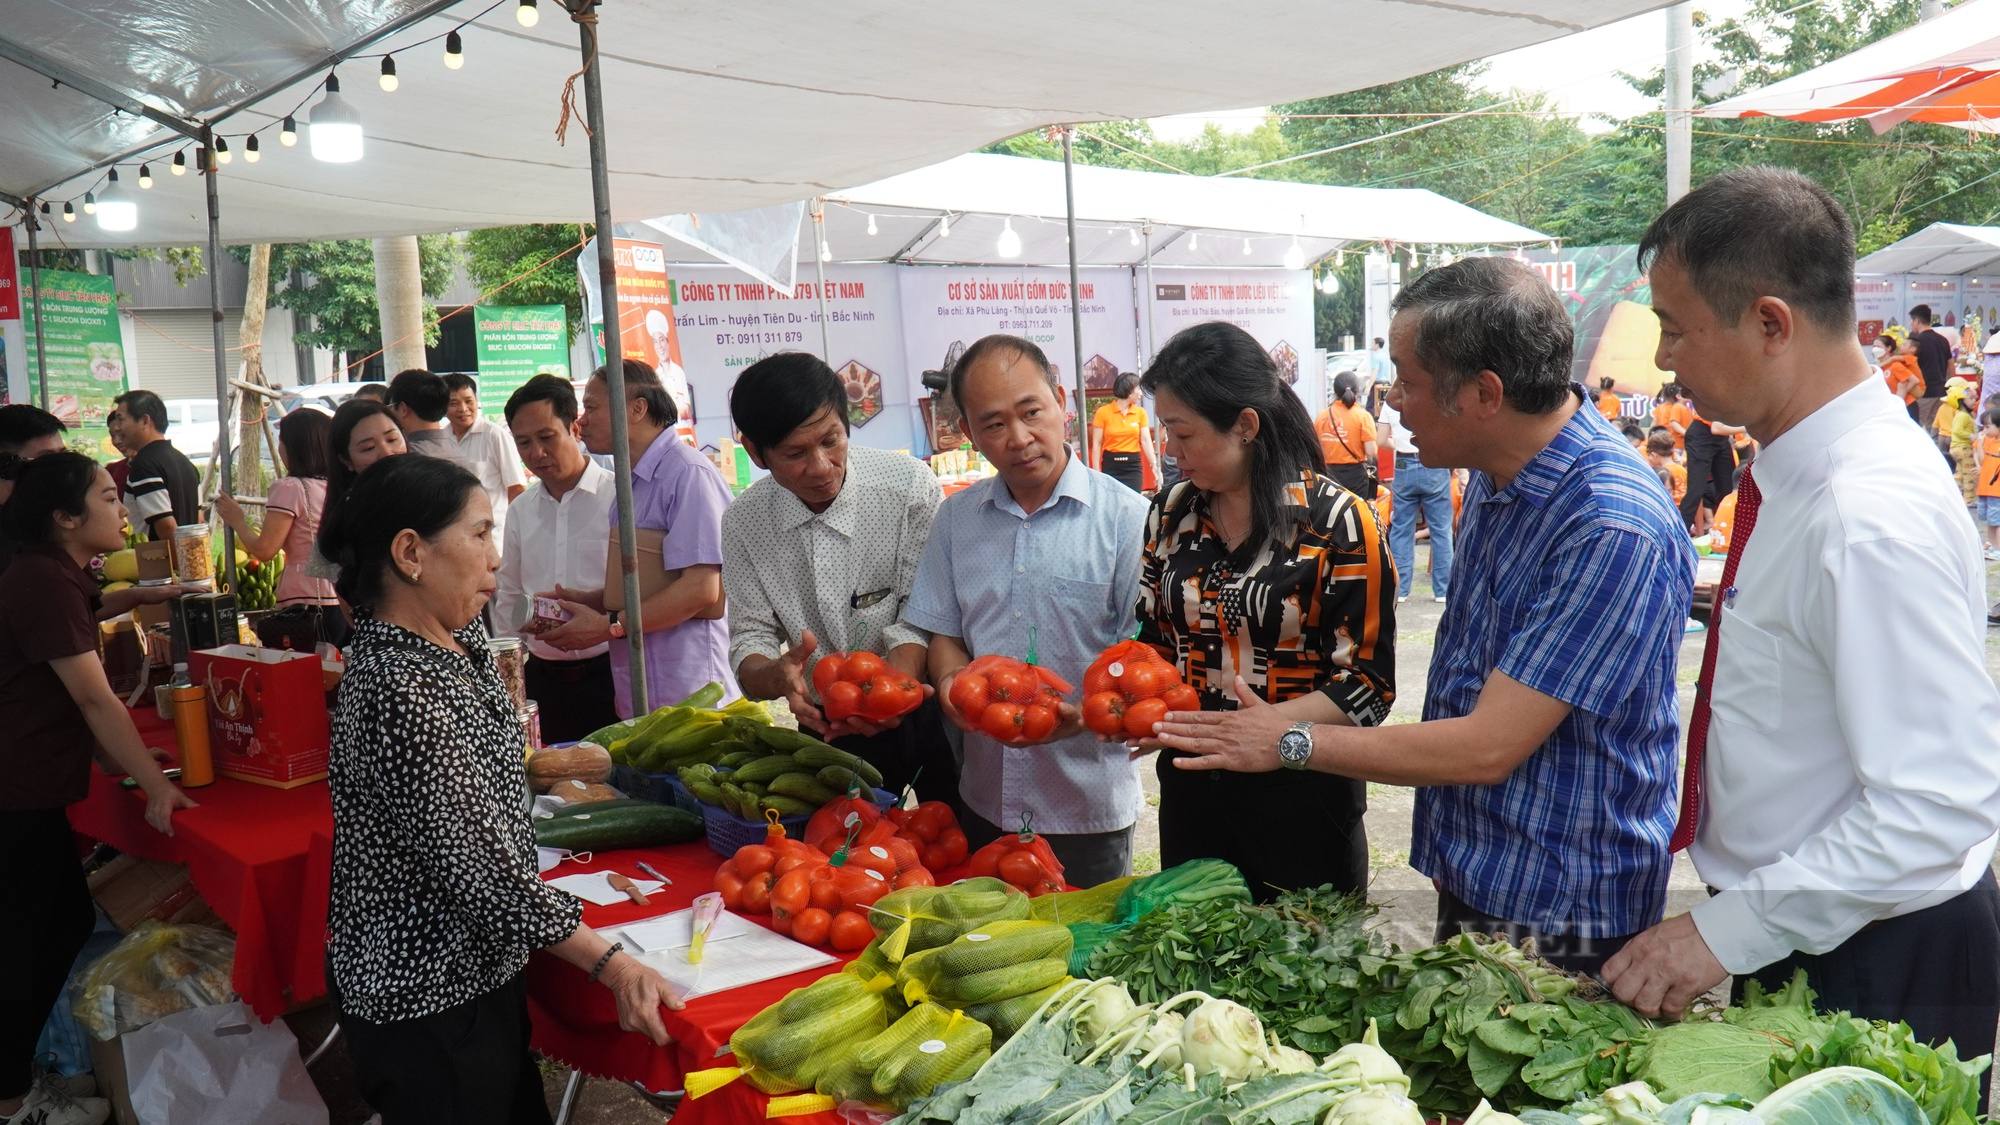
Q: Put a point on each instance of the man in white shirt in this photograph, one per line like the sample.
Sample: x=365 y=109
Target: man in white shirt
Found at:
x=1845 y=818
x=556 y=538
x=819 y=558
x=488 y=449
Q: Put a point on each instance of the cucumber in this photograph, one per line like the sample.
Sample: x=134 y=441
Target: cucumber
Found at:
x=782 y=739
x=787 y=806
x=705 y=699
x=764 y=769
x=609 y=825
x=820 y=755
x=840 y=779
x=736 y=801
x=804 y=787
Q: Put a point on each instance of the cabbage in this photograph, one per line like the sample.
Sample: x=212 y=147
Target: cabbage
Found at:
x=1843 y=1095
x=1225 y=1039
x=1631 y=1104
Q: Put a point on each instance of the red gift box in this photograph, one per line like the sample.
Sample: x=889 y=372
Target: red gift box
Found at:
x=267 y=720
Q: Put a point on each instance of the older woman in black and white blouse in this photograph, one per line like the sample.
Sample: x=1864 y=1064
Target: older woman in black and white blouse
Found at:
x=436 y=897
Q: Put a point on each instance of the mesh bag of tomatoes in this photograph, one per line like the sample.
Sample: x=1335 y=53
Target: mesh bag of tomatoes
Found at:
x=863 y=684
x=1020 y=859
x=933 y=829
x=1010 y=700
x=1129 y=687
x=818 y=890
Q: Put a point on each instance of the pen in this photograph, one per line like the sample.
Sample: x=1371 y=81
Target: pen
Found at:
x=648 y=869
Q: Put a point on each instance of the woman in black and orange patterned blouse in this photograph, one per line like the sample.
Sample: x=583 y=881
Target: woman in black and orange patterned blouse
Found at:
x=1260 y=569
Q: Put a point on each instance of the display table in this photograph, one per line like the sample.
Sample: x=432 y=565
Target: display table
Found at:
x=261 y=857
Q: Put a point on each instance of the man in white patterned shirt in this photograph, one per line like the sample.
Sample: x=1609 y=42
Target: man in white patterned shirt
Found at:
x=819 y=558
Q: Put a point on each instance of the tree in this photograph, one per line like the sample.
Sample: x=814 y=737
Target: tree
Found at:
x=339 y=289
x=512 y=266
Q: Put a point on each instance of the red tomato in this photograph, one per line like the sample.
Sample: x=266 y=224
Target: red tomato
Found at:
x=1104 y=713
x=986 y=864
x=915 y=877
x=899 y=816
x=970 y=695
x=862 y=667
x=782 y=923
x=1050 y=679
x=757 y=893
x=811 y=925
x=1140 y=717
x=842 y=700
x=792 y=893
x=955 y=846
x=824 y=894
x=930 y=818
x=1181 y=697
x=936 y=858
x=1014 y=685
x=1147 y=679
x=1022 y=870
x=1002 y=721
x=874 y=858
x=730 y=886
x=753 y=859
x=850 y=932
x=861 y=888
x=1037 y=722
x=888 y=695
x=826 y=672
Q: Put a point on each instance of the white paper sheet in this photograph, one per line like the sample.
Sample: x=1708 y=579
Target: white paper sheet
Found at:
x=737 y=953
x=596 y=889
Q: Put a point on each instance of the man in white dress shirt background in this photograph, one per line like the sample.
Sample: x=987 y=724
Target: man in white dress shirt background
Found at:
x=488 y=449
x=819 y=558
x=556 y=538
x=1844 y=819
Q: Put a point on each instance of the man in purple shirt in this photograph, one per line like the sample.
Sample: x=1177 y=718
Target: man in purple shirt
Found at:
x=679 y=496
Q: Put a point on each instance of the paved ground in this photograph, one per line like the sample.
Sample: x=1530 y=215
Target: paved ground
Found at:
x=1408 y=903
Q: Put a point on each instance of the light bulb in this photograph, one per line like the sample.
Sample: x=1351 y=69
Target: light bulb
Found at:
x=334 y=128
x=388 y=80
x=825 y=251
x=1295 y=256
x=1010 y=243
x=944 y=226
x=222 y=154
x=454 y=51
x=145 y=177
x=45 y=206
x=116 y=211
x=526 y=15
x=871 y=226
x=1246 y=247
x=1340 y=258
x=1329 y=284
x=1194 y=240
x=288 y=133
x=250 y=153
x=1134 y=232
x=181 y=163
x=89 y=203
x=69 y=213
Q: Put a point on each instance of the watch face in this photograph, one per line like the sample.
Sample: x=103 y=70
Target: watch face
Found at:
x=1294 y=747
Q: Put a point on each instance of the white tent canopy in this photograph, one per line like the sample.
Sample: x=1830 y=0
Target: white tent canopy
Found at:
x=1941 y=248
x=1236 y=221
x=708 y=108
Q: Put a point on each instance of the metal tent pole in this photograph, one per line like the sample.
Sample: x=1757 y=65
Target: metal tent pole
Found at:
x=1075 y=309
x=1146 y=306
x=819 y=265
x=224 y=455
x=35 y=294
x=614 y=352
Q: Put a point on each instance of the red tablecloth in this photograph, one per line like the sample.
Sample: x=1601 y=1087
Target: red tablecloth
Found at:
x=260 y=856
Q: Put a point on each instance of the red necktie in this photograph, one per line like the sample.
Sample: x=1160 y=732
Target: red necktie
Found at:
x=1747 y=498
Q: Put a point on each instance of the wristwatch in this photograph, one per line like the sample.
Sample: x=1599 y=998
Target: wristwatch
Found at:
x=1295 y=746
x=617 y=626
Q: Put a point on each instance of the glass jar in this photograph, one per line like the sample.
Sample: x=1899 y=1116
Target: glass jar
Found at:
x=192 y=558
x=511 y=659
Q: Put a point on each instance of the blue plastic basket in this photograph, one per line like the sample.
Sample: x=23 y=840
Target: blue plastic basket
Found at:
x=664 y=788
x=728 y=832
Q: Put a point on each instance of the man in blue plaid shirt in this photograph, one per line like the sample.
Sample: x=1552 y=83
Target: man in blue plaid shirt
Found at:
x=1548 y=756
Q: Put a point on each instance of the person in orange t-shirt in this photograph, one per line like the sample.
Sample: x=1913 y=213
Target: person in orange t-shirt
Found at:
x=1673 y=413
x=1986 y=454
x=1660 y=455
x=1900 y=372
x=1121 y=445
x=1347 y=439
x=1608 y=402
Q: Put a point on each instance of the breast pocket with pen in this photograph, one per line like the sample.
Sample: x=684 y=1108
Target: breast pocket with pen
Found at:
x=1748 y=688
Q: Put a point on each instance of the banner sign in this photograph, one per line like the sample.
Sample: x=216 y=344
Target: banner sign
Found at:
x=10 y=285
x=645 y=319
x=1878 y=305
x=1610 y=304
x=946 y=308
x=515 y=343
x=85 y=355
x=1275 y=306
x=726 y=321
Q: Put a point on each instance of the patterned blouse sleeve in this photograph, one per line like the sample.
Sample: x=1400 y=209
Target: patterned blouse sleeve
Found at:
x=1354 y=621
x=466 y=834
x=1151 y=609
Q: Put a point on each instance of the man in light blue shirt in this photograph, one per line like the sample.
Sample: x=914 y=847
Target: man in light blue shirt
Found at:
x=1042 y=557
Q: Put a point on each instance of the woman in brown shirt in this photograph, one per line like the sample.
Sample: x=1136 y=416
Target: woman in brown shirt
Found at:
x=64 y=511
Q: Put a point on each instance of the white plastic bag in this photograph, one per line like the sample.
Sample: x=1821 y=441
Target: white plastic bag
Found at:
x=219 y=1065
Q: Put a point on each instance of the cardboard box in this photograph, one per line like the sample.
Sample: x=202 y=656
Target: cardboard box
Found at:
x=267 y=714
x=107 y=1062
x=131 y=890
